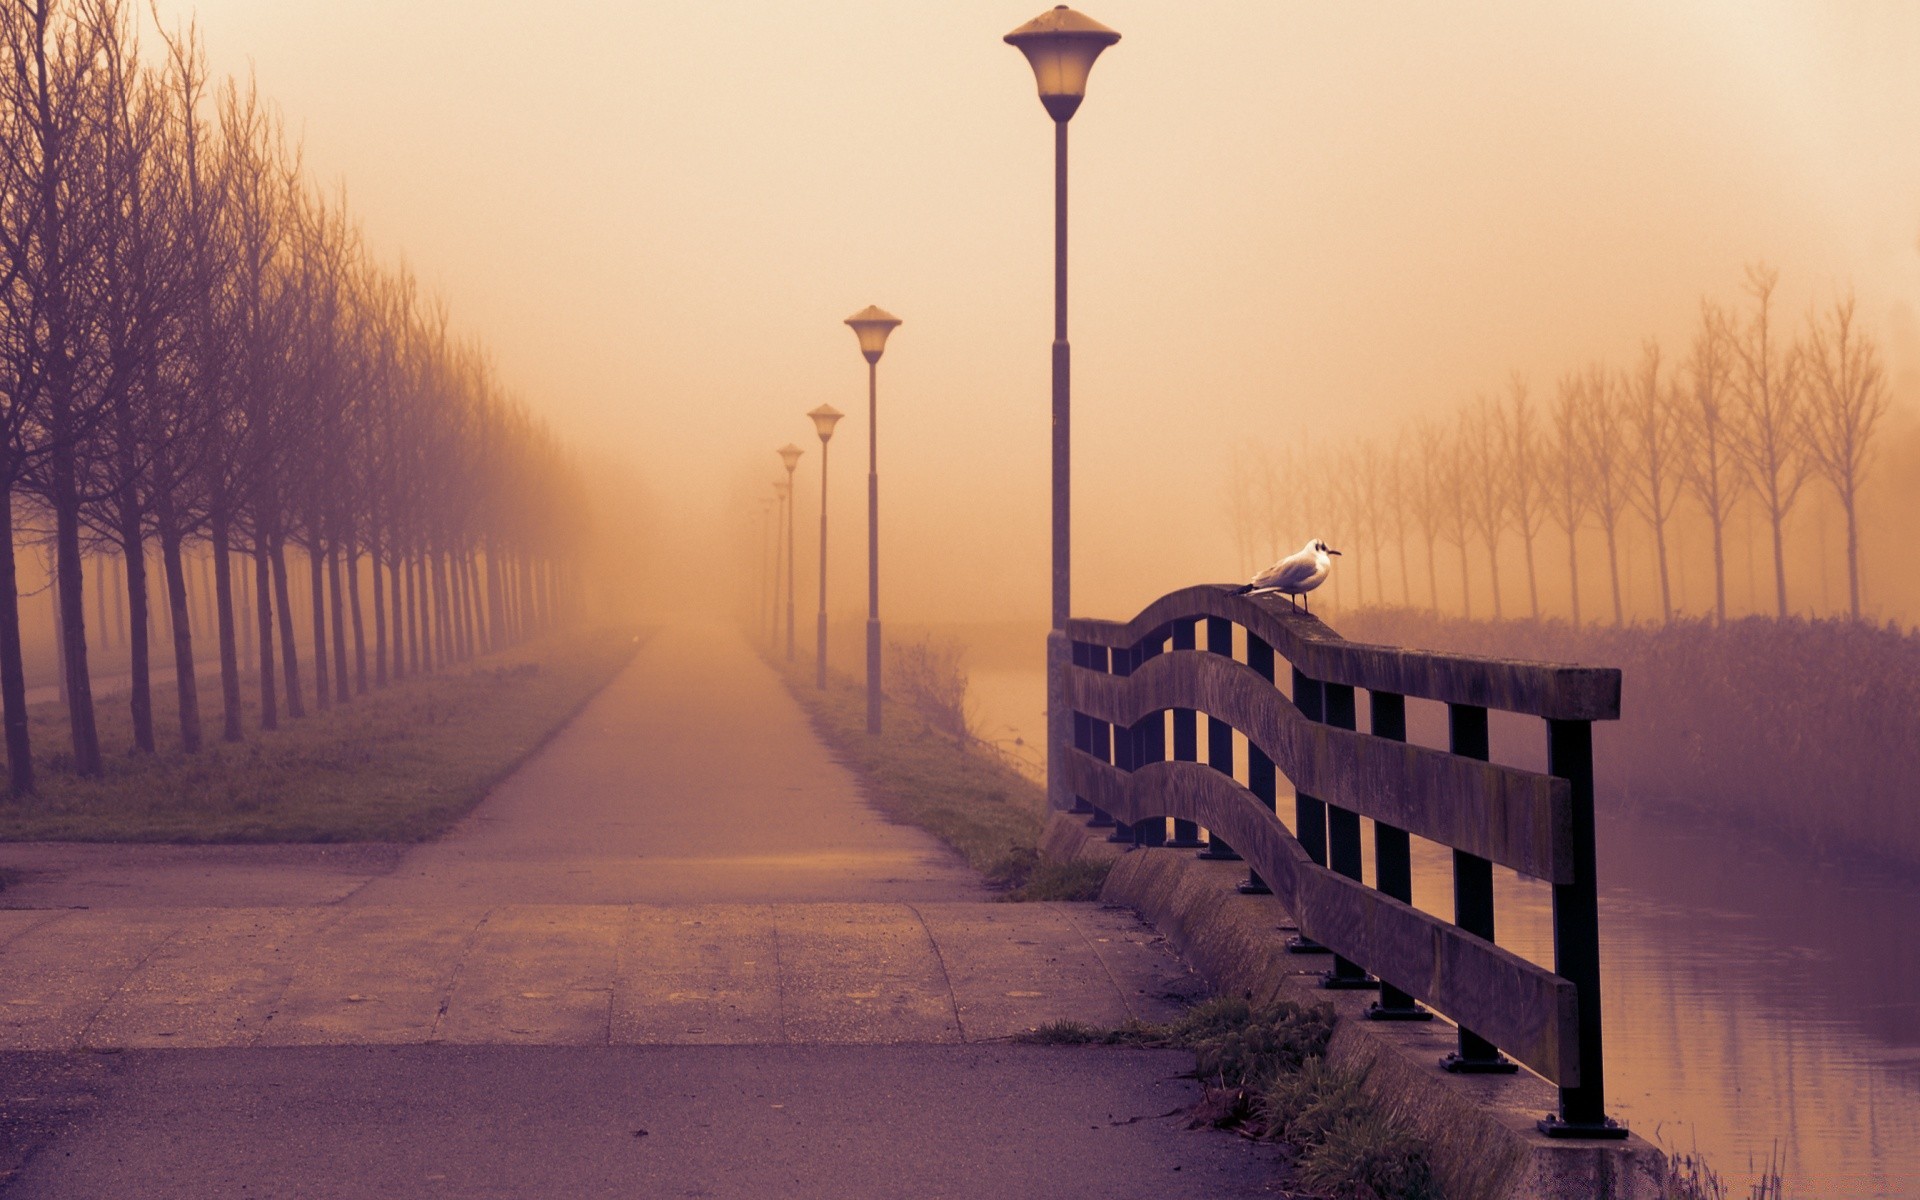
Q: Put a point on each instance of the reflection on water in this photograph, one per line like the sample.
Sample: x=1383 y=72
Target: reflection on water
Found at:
x=1755 y=1000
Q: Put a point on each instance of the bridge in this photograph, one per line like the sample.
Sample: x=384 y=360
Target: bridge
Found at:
x=677 y=953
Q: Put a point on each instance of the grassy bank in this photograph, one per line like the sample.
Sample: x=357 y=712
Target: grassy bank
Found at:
x=927 y=769
x=399 y=764
x=1808 y=729
x=1266 y=1077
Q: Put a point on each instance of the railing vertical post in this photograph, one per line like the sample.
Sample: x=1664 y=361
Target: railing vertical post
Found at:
x=1392 y=855
x=1343 y=834
x=1100 y=741
x=1082 y=724
x=1473 y=893
x=1309 y=814
x=1186 y=736
x=1262 y=778
x=1150 y=744
x=1219 y=733
x=1126 y=746
x=1576 y=938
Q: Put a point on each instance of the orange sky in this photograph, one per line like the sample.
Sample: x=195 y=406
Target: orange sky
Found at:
x=1290 y=219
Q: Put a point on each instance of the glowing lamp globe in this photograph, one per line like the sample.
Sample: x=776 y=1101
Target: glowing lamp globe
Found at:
x=872 y=325
x=824 y=419
x=1061 y=45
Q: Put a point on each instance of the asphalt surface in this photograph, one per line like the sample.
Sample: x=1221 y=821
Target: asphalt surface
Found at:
x=676 y=954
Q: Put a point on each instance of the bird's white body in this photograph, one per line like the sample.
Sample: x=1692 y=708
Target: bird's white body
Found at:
x=1298 y=573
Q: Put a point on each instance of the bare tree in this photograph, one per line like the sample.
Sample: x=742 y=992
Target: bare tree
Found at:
x=1566 y=461
x=1604 y=437
x=1431 y=475
x=1705 y=459
x=1484 y=474
x=1654 y=482
x=1521 y=451
x=1401 y=491
x=1769 y=436
x=1846 y=400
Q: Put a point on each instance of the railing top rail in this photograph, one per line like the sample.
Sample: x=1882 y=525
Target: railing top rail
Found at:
x=1553 y=691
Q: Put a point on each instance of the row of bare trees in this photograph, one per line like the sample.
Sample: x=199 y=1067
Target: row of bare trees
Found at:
x=196 y=349
x=1752 y=414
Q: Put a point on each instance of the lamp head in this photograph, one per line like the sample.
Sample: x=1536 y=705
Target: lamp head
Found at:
x=1061 y=45
x=872 y=325
x=824 y=419
x=790 y=455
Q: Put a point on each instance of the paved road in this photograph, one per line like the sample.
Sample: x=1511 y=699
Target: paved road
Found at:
x=678 y=917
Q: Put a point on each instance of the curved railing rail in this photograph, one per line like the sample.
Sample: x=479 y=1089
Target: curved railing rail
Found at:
x=1133 y=684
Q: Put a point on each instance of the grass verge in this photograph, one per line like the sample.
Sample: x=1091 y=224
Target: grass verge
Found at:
x=1266 y=1076
x=957 y=788
x=396 y=765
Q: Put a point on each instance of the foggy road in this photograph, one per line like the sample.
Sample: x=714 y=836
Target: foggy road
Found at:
x=679 y=916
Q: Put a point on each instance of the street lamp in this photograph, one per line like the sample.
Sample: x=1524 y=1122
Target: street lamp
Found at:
x=769 y=569
x=1060 y=45
x=790 y=455
x=872 y=325
x=824 y=419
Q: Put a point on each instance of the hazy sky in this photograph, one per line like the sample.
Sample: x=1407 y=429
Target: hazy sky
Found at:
x=1290 y=219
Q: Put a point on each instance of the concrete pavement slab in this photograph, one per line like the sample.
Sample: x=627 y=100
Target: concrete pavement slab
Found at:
x=537 y=974
x=692 y=778
x=800 y=1123
x=382 y=976
x=697 y=975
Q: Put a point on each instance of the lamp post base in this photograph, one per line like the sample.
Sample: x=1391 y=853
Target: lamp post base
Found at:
x=874 y=694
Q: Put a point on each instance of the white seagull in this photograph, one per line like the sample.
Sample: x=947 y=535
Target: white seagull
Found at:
x=1296 y=574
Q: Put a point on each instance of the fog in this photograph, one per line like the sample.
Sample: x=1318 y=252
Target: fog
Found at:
x=1293 y=224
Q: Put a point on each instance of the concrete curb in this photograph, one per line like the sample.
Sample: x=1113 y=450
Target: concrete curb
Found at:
x=1481 y=1128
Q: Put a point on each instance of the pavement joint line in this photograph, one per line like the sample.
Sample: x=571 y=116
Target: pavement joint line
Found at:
x=52 y=916
x=939 y=956
x=1106 y=968
x=779 y=975
x=180 y=924
x=453 y=979
x=273 y=1008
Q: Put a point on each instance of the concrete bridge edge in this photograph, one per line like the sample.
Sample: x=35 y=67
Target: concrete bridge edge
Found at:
x=1481 y=1128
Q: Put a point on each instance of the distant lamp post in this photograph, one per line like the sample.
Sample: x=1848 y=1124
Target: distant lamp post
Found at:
x=790 y=455
x=1060 y=45
x=824 y=419
x=872 y=325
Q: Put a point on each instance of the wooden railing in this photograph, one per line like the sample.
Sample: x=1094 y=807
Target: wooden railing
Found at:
x=1126 y=678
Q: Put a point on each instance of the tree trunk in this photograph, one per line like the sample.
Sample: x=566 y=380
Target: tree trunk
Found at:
x=1466 y=585
x=1433 y=577
x=379 y=616
x=1853 y=552
x=186 y=684
x=1660 y=550
x=289 y=653
x=1573 y=572
x=359 y=624
x=1493 y=560
x=1533 y=579
x=13 y=671
x=396 y=571
x=1779 y=521
x=496 y=615
x=316 y=588
x=1613 y=567
x=263 y=638
x=71 y=596
x=419 y=653
x=230 y=709
x=140 y=651
x=342 y=690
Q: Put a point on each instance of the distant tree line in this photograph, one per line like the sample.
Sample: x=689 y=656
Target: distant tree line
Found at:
x=1753 y=413
x=197 y=354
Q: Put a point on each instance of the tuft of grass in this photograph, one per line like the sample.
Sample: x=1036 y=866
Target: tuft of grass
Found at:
x=957 y=788
x=395 y=765
x=1064 y=1033
x=1265 y=1074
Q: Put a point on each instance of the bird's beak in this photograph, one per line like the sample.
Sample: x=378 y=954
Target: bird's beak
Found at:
x=1333 y=552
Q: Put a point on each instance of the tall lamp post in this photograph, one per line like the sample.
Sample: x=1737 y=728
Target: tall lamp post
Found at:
x=824 y=419
x=790 y=455
x=872 y=325
x=769 y=568
x=1060 y=45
